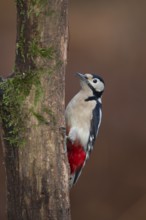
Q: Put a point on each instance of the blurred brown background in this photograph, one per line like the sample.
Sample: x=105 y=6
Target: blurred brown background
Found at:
x=107 y=37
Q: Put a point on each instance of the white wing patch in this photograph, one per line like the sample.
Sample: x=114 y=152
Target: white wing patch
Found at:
x=91 y=138
x=100 y=117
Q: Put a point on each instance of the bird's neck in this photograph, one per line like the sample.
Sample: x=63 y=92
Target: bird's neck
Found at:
x=90 y=92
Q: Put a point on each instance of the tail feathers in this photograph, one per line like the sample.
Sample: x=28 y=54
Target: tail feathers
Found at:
x=74 y=177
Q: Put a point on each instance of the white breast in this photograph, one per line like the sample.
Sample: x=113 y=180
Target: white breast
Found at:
x=78 y=116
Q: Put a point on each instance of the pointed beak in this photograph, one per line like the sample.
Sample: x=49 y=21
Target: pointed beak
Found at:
x=82 y=77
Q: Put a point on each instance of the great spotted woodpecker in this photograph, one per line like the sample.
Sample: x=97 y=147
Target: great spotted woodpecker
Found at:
x=83 y=117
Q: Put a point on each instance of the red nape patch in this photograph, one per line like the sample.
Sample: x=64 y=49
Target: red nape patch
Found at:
x=76 y=155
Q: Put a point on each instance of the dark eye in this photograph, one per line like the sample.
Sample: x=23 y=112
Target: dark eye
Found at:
x=95 y=80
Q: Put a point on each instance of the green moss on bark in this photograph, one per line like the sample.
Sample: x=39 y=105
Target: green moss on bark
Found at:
x=28 y=72
x=15 y=91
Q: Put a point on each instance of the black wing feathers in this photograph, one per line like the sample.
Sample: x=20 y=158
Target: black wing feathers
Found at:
x=94 y=127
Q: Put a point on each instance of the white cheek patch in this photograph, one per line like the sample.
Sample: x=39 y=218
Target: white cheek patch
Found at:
x=100 y=86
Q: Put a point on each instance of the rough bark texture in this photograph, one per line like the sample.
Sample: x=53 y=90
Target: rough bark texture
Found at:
x=37 y=173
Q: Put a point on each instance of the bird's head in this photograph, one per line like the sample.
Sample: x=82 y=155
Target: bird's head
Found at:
x=92 y=82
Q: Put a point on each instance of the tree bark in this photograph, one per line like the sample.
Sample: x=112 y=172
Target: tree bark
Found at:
x=37 y=171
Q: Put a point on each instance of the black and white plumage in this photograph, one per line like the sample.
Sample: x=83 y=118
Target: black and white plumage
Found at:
x=83 y=117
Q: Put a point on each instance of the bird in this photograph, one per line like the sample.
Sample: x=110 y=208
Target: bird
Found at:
x=83 y=116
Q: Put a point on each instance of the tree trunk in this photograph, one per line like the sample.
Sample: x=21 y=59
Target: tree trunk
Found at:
x=32 y=113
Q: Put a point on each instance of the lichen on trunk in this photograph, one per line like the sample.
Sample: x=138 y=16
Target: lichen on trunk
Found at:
x=32 y=111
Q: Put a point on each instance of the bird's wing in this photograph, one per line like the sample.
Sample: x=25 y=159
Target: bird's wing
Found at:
x=95 y=124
